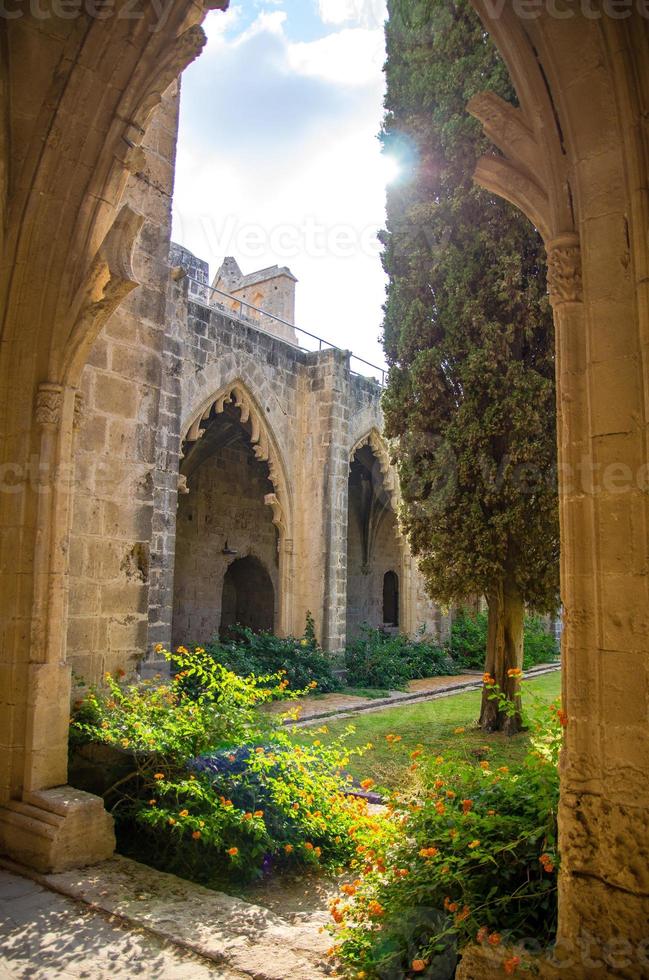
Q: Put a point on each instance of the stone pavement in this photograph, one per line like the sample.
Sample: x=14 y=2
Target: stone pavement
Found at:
x=123 y=919
x=44 y=936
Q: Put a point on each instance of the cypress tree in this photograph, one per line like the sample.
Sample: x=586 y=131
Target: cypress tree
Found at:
x=468 y=335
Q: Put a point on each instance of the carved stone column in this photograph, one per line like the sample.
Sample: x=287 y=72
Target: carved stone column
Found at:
x=54 y=826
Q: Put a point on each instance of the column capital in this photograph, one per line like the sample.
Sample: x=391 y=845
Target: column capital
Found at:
x=49 y=404
x=565 y=282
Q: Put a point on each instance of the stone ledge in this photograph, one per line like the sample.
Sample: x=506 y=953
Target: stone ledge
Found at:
x=246 y=938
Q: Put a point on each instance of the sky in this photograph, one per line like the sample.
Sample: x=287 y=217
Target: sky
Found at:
x=279 y=160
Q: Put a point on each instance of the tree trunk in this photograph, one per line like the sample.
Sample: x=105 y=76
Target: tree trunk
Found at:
x=504 y=651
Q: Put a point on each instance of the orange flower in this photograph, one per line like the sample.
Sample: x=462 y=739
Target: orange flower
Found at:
x=196 y=835
x=418 y=966
x=375 y=909
x=367 y=783
x=233 y=851
x=152 y=802
x=184 y=813
x=317 y=851
x=488 y=679
x=171 y=821
x=466 y=805
x=484 y=764
x=440 y=808
x=449 y=905
x=159 y=775
x=428 y=852
x=482 y=934
x=258 y=813
x=511 y=964
x=309 y=845
x=514 y=672
x=288 y=848
x=247 y=816
x=416 y=754
x=494 y=939
x=563 y=718
x=474 y=844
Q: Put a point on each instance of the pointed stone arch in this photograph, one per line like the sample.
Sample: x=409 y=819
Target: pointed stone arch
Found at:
x=373 y=439
x=266 y=449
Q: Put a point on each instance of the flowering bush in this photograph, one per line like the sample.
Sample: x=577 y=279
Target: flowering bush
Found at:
x=213 y=787
x=379 y=659
x=302 y=660
x=476 y=862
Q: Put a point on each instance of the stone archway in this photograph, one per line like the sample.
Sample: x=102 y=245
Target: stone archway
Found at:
x=229 y=510
x=375 y=546
x=574 y=157
x=248 y=597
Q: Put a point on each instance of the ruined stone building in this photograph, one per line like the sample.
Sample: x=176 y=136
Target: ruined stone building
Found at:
x=110 y=370
x=287 y=498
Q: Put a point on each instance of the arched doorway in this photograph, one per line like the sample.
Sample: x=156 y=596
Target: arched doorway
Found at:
x=224 y=514
x=373 y=548
x=391 y=599
x=248 y=597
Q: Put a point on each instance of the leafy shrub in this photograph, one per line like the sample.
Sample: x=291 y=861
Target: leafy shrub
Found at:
x=476 y=862
x=384 y=660
x=468 y=641
x=263 y=653
x=215 y=788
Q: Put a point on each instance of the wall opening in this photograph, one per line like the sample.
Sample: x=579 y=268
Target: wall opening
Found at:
x=391 y=599
x=248 y=597
x=373 y=548
x=221 y=519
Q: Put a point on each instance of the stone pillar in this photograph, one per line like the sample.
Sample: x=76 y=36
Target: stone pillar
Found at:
x=52 y=828
x=604 y=810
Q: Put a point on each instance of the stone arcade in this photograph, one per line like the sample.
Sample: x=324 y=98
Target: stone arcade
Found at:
x=82 y=151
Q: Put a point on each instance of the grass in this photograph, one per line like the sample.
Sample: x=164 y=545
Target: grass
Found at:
x=432 y=725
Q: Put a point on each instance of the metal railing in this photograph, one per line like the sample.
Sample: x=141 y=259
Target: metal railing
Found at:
x=234 y=304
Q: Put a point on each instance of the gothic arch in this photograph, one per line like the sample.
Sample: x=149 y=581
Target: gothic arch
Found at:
x=377 y=444
x=373 y=439
x=576 y=162
x=265 y=449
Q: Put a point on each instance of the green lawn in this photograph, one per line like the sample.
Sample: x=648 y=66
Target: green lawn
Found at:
x=431 y=725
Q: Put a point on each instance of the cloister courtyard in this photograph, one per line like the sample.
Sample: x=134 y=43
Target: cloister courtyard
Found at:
x=252 y=722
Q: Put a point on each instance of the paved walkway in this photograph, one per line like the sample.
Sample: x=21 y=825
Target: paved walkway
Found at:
x=44 y=936
x=338 y=705
x=123 y=919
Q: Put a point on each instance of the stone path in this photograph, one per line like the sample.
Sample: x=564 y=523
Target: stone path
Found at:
x=123 y=919
x=338 y=705
x=44 y=935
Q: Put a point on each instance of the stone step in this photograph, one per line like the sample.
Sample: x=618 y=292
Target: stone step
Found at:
x=246 y=938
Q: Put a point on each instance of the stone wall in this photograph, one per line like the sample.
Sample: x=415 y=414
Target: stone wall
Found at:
x=124 y=494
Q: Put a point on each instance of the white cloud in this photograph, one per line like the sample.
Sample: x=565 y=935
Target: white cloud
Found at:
x=368 y=13
x=353 y=56
x=278 y=147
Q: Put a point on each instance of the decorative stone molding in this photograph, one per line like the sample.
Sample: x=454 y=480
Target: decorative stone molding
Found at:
x=79 y=414
x=380 y=450
x=262 y=444
x=49 y=405
x=564 y=270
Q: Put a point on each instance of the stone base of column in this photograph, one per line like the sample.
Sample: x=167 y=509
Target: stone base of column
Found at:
x=57 y=829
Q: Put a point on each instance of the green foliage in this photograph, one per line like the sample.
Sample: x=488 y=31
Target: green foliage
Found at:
x=468 y=641
x=264 y=653
x=214 y=787
x=380 y=659
x=476 y=862
x=468 y=329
